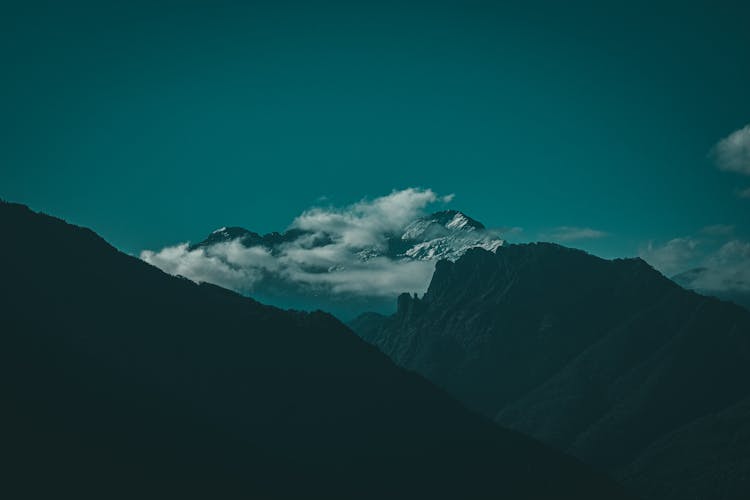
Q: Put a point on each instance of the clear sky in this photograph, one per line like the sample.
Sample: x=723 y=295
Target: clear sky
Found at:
x=157 y=122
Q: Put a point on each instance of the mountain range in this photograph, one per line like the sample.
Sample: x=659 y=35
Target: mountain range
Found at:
x=119 y=380
x=607 y=360
x=442 y=235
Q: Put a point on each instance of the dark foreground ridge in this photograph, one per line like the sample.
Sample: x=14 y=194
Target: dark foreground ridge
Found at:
x=119 y=380
x=607 y=360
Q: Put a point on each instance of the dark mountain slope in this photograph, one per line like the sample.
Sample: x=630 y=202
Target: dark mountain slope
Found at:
x=599 y=358
x=119 y=380
x=719 y=464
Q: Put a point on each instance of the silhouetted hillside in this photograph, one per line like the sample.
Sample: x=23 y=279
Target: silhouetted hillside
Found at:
x=119 y=380
x=602 y=359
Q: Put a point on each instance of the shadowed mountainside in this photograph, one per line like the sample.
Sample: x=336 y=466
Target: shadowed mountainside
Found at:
x=607 y=360
x=119 y=380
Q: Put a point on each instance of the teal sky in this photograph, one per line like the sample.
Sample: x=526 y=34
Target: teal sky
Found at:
x=156 y=122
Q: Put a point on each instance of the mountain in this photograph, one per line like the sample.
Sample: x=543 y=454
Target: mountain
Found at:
x=341 y=266
x=119 y=380
x=696 y=279
x=607 y=360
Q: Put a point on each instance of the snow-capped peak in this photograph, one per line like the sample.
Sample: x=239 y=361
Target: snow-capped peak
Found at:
x=446 y=235
x=459 y=221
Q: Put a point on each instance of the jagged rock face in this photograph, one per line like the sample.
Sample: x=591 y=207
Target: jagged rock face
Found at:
x=603 y=359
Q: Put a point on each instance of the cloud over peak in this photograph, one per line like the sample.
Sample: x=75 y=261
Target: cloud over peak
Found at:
x=368 y=222
x=358 y=250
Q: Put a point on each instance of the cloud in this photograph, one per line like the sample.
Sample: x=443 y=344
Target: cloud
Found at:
x=674 y=256
x=732 y=153
x=570 y=233
x=351 y=262
x=745 y=193
x=220 y=264
x=367 y=223
x=724 y=266
x=727 y=269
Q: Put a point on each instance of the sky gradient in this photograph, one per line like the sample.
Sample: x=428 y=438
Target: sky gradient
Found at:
x=157 y=122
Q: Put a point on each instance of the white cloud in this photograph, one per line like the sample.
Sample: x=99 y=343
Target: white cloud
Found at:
x=727 y=269
x=570 y=233
x=218 y=264
x=366 y=224
x=732 y=153
x=674 y=256
x=724 y=267
x=337 y=267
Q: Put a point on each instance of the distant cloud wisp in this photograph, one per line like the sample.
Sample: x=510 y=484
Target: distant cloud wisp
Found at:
x=718 y=230
x=571 y=233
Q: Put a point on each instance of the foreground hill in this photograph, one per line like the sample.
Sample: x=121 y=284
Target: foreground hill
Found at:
x=119 y=380
x=607 y=360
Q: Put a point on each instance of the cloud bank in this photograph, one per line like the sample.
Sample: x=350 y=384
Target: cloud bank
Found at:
x=350 y=262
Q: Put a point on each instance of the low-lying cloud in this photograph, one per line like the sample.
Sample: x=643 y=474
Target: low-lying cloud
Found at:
x=350 y=263
x=724 y=265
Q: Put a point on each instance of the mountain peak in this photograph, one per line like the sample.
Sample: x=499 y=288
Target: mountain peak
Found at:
x=455 y=219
